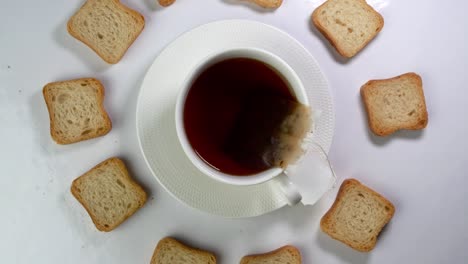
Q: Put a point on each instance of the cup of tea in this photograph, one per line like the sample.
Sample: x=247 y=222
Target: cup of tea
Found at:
x=242 y=116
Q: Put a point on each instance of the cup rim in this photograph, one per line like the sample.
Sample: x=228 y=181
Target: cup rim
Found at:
x=192 y=155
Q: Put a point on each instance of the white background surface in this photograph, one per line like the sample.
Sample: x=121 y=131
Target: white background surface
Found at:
x=422 y=173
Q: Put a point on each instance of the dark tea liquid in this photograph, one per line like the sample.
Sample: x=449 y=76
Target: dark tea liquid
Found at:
x=218 y=98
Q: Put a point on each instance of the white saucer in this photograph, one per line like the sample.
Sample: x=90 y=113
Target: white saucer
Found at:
x=156 y=105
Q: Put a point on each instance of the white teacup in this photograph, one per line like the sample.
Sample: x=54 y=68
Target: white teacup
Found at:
x=297 y=89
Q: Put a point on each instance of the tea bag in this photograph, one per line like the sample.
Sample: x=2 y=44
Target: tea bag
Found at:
x=269 y=132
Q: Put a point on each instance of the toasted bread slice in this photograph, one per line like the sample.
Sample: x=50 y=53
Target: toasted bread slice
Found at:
x=357 y=216
x=76 y=110
x=287 y=254
x=395 y=103
x=108 y=194
x=267 y=3
x=166 y=2
x=349 y=25
x=106 y=26
x=171 y=251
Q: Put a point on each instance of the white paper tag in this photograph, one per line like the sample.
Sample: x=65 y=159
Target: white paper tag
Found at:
x=312 y=175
